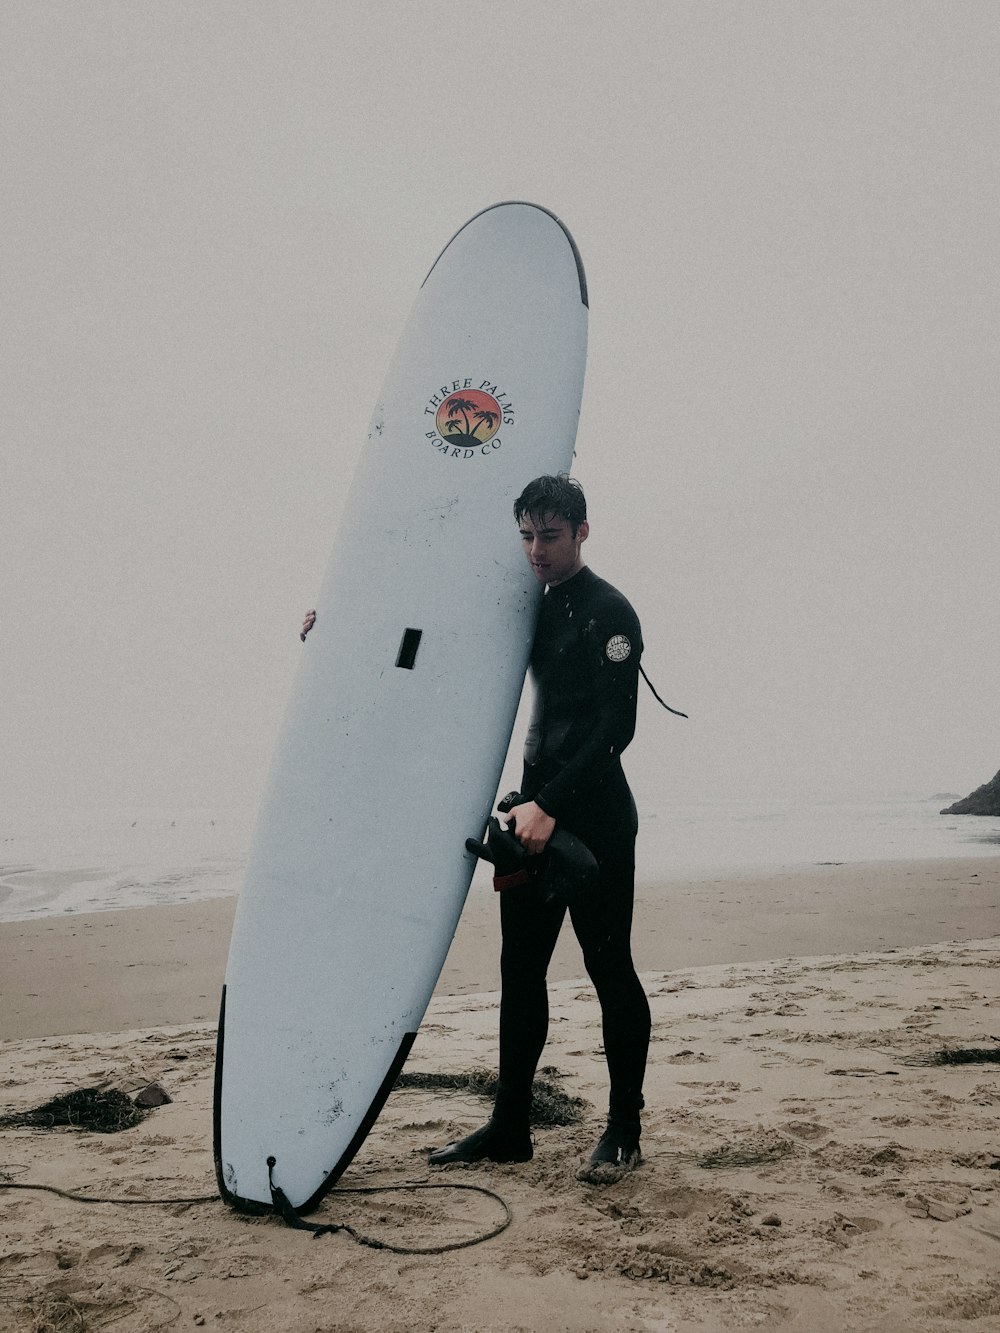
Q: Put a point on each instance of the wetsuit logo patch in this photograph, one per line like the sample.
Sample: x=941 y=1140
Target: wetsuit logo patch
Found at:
x=467 y=418
x=618 y=648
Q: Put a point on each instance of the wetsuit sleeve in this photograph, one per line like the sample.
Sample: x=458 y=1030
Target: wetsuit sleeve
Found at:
x=609 y=721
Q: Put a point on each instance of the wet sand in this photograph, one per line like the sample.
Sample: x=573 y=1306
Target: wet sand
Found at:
x=105 y=971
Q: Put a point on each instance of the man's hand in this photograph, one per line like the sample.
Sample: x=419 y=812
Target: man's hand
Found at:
x=532 y=826
x=307 y=624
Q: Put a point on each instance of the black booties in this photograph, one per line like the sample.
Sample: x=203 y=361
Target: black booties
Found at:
x=493 y=1142
x=618 y=1146
x=616 y=1154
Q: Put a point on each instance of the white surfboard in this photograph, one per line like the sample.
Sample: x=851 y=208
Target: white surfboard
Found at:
x=401 y=714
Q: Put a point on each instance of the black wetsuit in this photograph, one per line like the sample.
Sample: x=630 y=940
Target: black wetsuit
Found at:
x=585 y=670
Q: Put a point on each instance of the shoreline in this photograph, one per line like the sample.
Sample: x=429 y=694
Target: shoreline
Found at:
x=114 y=971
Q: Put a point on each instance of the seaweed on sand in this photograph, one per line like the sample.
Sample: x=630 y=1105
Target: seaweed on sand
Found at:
x=549 y=1104
x=86 y=1108
x=958 y=1055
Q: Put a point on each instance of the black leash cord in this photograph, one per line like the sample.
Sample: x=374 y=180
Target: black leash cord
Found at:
x=290 y=1216
x=86 y=1198
x=676 y=712
x=317 y=1230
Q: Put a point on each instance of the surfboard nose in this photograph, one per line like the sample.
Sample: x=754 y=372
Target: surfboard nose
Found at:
x=517 y=218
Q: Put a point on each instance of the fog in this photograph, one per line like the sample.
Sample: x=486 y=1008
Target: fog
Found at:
x=215 y=218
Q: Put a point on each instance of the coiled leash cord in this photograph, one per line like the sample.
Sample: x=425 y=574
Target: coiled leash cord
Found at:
x=289 y=1215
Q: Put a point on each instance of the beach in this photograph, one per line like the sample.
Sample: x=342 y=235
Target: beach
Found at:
x=808 y=1164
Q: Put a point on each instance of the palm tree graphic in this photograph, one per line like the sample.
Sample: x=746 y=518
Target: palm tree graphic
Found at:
x=462 y=407
x=488 y=417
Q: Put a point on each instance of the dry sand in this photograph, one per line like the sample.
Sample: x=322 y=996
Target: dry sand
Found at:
x=803 y=1170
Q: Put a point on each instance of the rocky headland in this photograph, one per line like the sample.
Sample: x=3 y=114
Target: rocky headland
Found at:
x=985 y=800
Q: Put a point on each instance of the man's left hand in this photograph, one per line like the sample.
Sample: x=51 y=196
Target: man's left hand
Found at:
x=532 y=826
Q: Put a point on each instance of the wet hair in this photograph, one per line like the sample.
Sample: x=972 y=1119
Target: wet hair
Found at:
x=560 y=495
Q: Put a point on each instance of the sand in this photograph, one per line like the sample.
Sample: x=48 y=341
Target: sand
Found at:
x=105 y=971
x=805 y=1168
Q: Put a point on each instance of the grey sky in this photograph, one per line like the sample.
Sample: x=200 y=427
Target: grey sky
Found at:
x=215 y=218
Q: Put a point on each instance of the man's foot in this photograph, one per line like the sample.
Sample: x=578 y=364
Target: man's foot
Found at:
x=490 y=1143
x=616 y=1154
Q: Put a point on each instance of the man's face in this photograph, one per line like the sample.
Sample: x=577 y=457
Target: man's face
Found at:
x=552 y=548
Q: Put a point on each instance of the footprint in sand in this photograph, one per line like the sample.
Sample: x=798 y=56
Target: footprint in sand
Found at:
x=807 y=1130
x=841 y=1230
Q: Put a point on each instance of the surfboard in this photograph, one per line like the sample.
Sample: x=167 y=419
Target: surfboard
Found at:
x=401 y=713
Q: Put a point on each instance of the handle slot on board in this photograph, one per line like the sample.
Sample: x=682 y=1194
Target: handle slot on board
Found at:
x=408 y=648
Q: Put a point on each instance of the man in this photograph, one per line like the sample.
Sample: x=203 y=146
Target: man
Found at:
x=585 y=671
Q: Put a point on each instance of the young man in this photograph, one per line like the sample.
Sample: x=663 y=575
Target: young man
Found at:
x=585 y=671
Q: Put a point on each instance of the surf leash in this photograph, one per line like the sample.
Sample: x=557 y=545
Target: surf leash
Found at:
x=288 y=1214
x=676 y=712
x=87 y=1198
x=291 y=1217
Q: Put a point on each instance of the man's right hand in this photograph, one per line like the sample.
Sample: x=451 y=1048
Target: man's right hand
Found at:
x=531 y=826
x=307 y=624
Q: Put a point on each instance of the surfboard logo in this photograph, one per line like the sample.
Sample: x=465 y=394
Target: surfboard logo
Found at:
x=467 y=419
x=618 y=648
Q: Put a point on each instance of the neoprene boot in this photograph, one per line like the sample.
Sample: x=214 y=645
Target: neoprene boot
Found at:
x=493 y=1142
x=617 y=1150
x=504 y=1138
x=618 y=1147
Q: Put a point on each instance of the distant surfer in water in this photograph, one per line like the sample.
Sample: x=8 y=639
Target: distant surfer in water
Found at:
x=585 y=671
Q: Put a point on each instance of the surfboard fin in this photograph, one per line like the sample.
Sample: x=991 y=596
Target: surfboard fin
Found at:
x=570 y=872
x=504 y=853
x=566 y=870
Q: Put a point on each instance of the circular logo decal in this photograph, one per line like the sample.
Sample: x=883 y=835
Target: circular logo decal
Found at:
x=618 y=648
x=468 y=418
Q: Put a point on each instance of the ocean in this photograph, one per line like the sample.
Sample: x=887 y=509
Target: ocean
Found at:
x=101 y=860
x=703 y=840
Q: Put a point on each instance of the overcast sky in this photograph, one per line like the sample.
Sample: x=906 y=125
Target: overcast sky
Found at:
x=215 y=218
